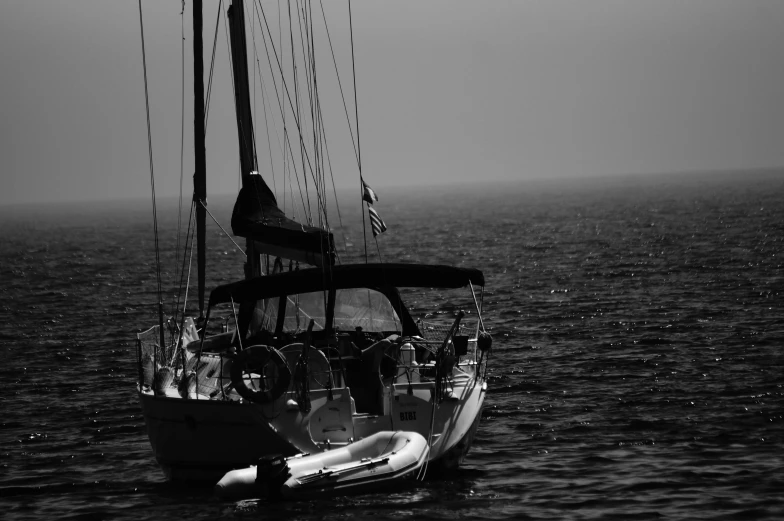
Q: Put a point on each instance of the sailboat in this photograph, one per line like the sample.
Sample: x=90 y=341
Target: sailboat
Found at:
x=310 y=360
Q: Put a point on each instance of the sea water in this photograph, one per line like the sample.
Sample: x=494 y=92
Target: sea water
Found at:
x=636 y=373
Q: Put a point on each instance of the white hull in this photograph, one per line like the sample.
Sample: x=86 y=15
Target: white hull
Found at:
x=202 y=439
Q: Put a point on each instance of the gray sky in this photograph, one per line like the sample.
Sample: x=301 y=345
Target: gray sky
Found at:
x=448 y=90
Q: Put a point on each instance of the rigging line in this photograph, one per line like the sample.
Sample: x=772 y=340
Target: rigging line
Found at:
x=292 y=165
x=265 y=99
x=322 y=137
x=182 y=128
x=221 y=227
x=318 y=139
x=287 y=152
x=269 y=61
x=476 y=303
x=277 y=98
x=324 y=152
x=285 y=87
x=280 y=105
x=340 y=84
x=364 y=228
x=354 y=74
x=296 y=99
x=318 y=131
x=257 y=72
x=316 y=115
x=317 y=136
x=380 y=259
x=212 y=68
x=356 y=115
x=327 y=165
x=334 y=191
x=253 y=38
x=228 y=51
x=318 y=125
x=308 y=59
x=188 y=240
x=302 y=18
x=298 y=93
x=266 y=122
x=280 y=30
x=152 y=184
x=258 y=62
x=187 y=286
x=298 y=119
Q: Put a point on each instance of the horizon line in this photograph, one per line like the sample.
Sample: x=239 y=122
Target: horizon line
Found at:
x=343 y=187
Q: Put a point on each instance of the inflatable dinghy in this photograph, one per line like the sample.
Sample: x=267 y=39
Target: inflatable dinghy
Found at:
x=377 y=460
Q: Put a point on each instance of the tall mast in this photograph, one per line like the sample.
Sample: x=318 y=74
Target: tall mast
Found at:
x=239 y=58
x=200 y=175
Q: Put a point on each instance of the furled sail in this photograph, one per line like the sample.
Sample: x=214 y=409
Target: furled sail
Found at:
x=256 y=216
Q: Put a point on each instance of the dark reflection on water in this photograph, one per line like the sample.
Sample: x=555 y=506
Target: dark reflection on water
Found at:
x=637 y=372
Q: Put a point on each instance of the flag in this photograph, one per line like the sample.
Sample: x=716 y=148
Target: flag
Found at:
x=368 y=194
x=376 y=223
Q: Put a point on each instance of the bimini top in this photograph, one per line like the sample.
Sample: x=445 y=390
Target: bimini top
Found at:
x=347 y=276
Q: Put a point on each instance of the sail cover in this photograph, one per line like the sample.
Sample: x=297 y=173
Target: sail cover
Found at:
x=256 y=216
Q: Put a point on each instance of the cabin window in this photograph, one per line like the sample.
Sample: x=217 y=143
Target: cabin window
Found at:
x=301 y=308
x=365 y=308
x=355 y=307
x=265 y=315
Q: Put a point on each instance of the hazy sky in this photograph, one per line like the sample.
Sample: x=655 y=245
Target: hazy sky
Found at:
x=448 y=90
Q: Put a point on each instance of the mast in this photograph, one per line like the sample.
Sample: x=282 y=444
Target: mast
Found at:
x=200 y=174
x=239 y=58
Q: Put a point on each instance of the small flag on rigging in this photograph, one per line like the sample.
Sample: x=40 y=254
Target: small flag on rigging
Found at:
x=376 y=223
x=367 y=193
